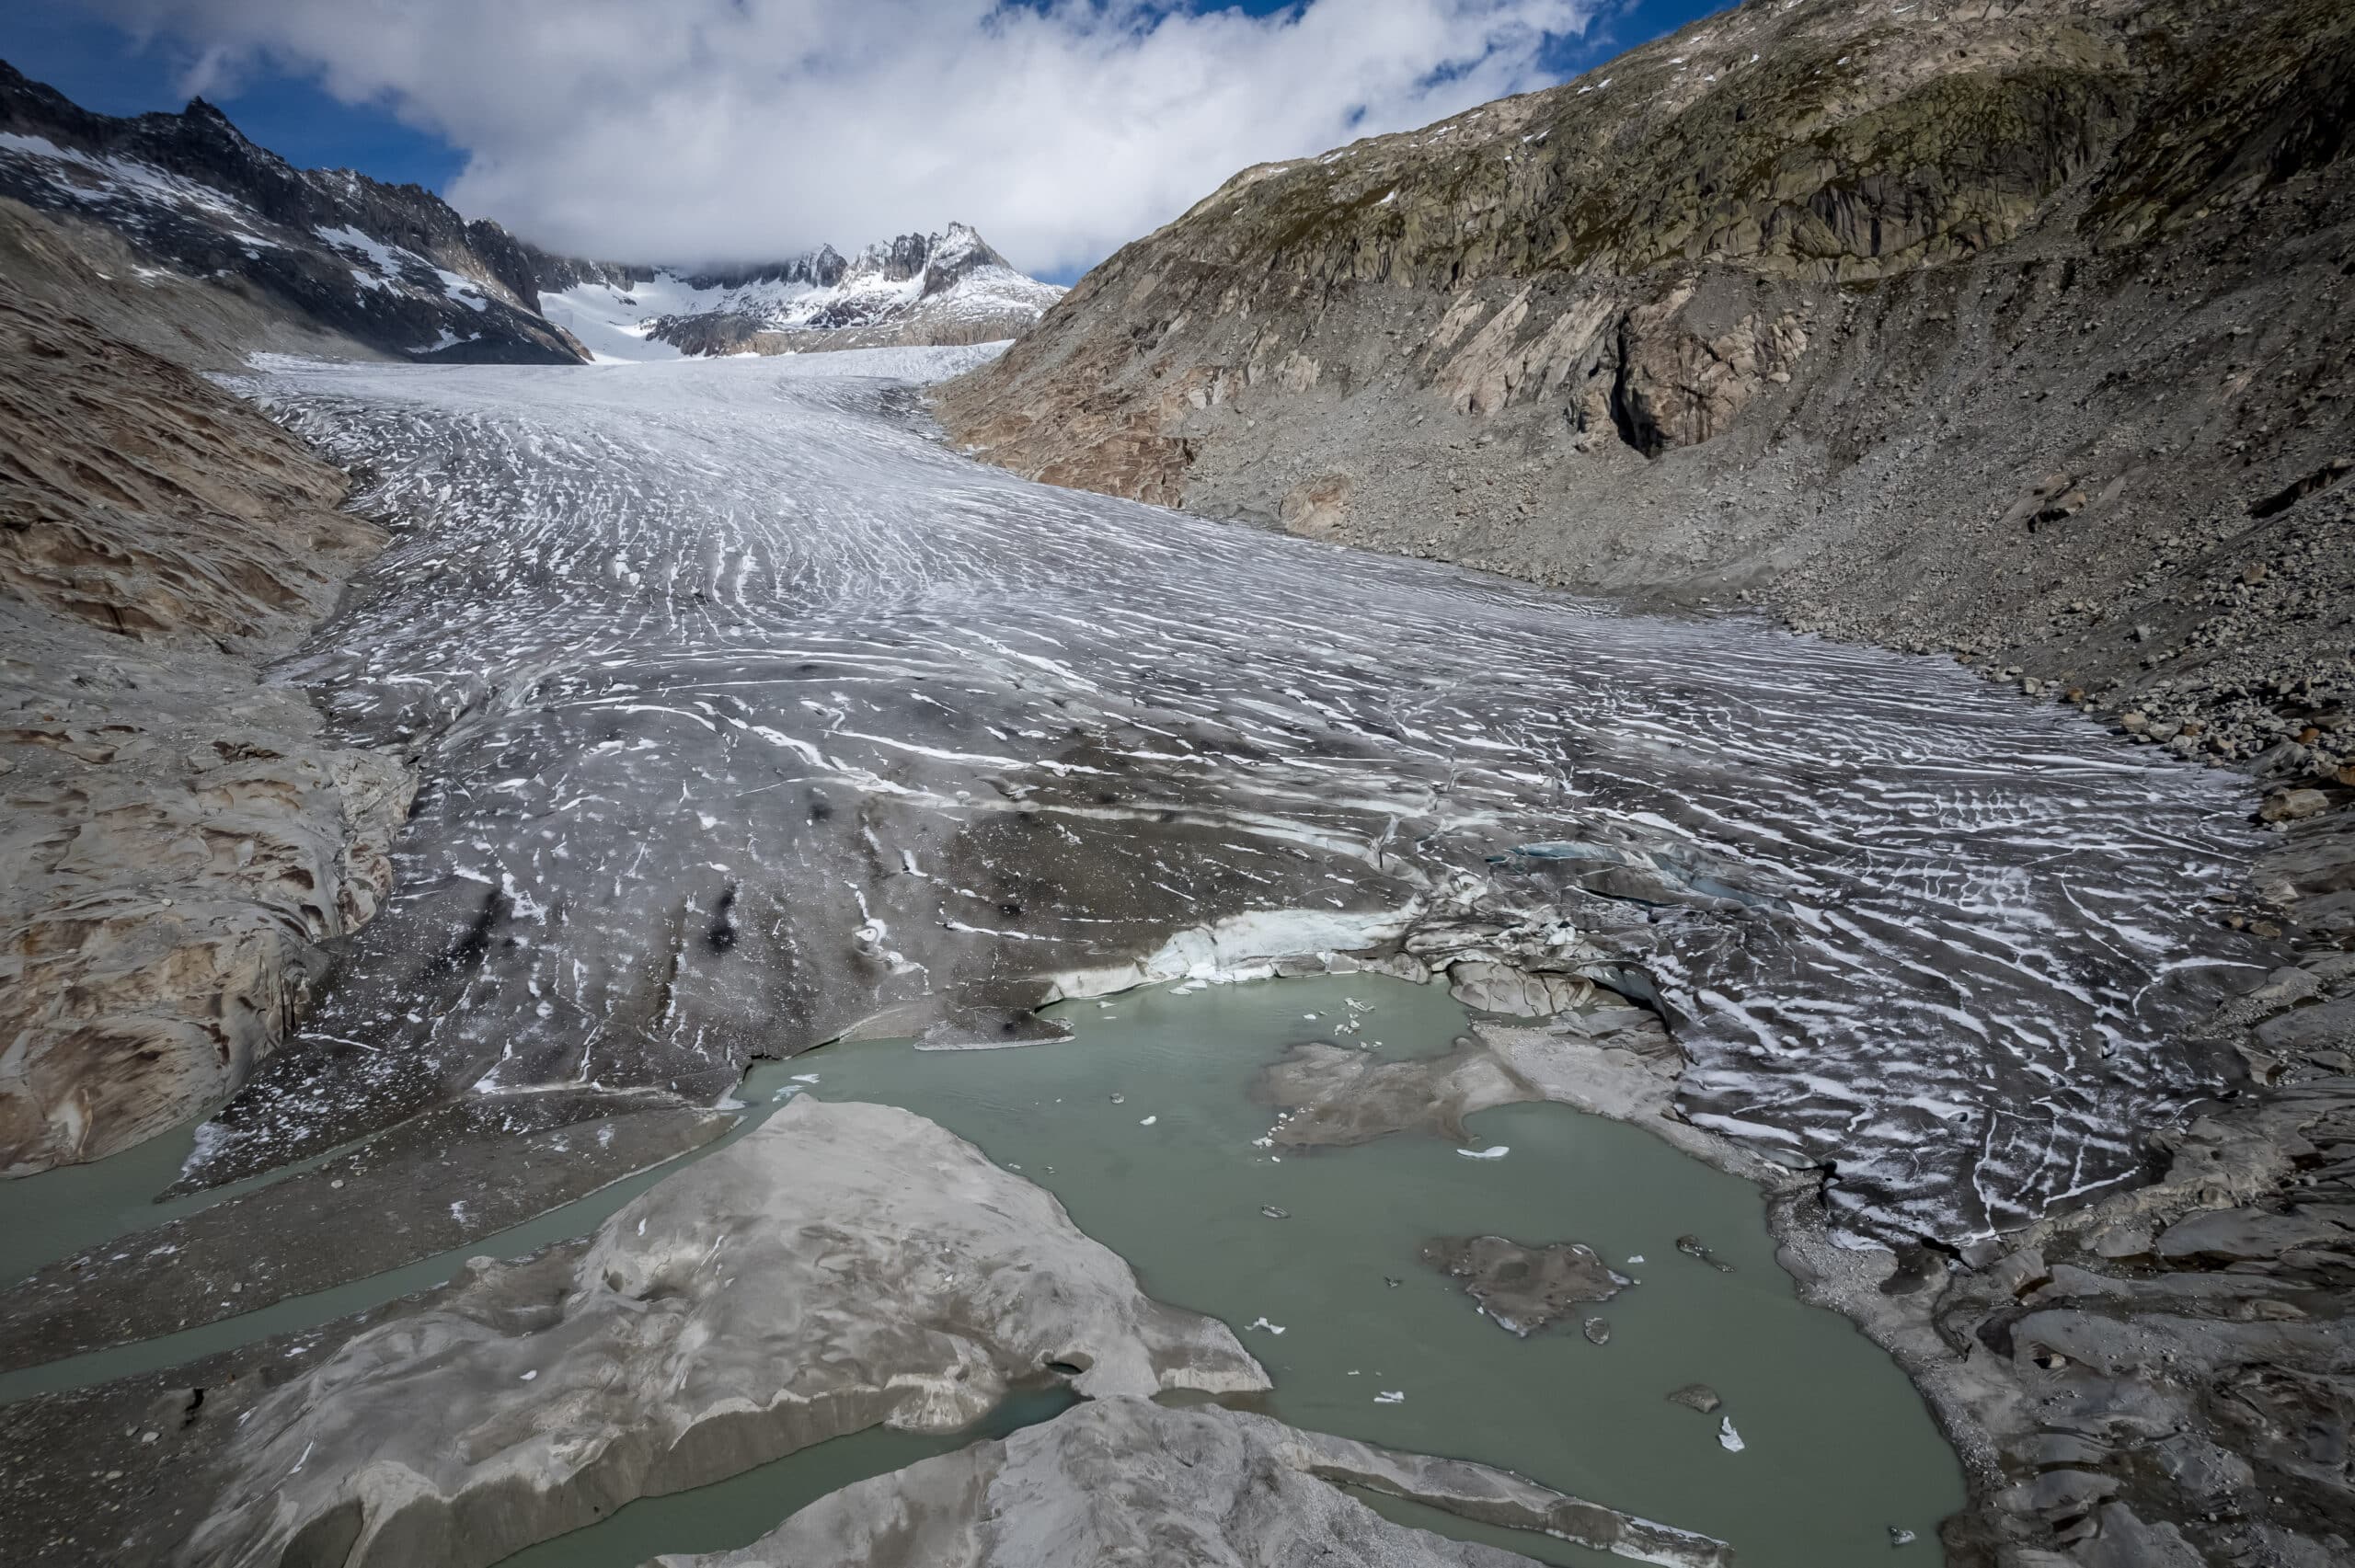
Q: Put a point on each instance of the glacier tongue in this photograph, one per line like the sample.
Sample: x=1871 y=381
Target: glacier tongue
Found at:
x=754 y=715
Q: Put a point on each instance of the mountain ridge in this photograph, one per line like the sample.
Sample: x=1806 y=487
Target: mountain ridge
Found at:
x=397 y=271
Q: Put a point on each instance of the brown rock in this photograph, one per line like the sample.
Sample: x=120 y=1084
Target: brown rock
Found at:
x=1524 y=1288
x=178 y=834
x=2293 y=806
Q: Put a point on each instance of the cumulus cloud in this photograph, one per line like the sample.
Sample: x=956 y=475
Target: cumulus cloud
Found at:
x=731 y=129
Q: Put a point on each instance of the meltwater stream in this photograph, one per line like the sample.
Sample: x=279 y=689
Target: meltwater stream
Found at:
x=753 y=715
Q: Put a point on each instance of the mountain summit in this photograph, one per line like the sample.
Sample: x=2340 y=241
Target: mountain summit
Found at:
x=946 y=288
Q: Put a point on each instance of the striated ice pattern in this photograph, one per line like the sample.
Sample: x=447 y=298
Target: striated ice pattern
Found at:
x=751 y=714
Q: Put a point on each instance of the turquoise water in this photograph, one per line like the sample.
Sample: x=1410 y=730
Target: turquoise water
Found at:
x=1838 y=1446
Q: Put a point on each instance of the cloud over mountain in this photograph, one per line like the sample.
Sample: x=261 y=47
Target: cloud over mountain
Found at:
x=717 y=129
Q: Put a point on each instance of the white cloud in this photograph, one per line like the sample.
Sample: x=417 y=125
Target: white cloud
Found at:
x=737 y=129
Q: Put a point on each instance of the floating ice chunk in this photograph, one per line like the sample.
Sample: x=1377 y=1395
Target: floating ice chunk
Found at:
x=1390 y=1396
x=1263 y=1324
x=1899 y=1536
x=1635 y=1258
x=805 y=1078
x=1494 y=1152
x=1148 y=1121
x=529 y=1376
x=1728 y=1439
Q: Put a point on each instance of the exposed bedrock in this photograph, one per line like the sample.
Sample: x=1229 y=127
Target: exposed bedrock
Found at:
x=2019 y=329
x=1127 y=1481
x=843 y=1266
x=178 y=835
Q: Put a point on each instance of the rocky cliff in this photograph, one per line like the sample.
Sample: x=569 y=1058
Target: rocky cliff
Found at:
x=178 y=834
x=2018 y=329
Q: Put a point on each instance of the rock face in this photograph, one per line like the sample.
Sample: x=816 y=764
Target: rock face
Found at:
x=391 y=267
x=2015 y=329
x=178 y=835
x=843 y=1266
x=1524 y=1288
x=1127 y=1481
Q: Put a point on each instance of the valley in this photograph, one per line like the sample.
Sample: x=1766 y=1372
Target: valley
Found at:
x=1614 y=829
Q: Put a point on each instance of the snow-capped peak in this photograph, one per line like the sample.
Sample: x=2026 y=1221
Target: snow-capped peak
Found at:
x=949 y=287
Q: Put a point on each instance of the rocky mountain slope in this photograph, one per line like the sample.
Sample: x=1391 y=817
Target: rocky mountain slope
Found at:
x=944 y=289
x=2018 y=329
x=391 y=267
x=178 y=835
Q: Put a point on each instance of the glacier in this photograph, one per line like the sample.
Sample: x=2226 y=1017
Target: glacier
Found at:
x=754 y=717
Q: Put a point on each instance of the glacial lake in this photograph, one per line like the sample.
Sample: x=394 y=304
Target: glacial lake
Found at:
x=1143 y=1124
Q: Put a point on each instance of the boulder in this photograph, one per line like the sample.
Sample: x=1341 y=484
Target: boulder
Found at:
x=1523 y=1288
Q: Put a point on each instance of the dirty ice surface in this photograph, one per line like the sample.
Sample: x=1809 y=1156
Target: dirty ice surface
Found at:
x=752 y=715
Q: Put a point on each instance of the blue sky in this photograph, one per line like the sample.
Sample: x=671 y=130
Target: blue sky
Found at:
x=104 y=67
